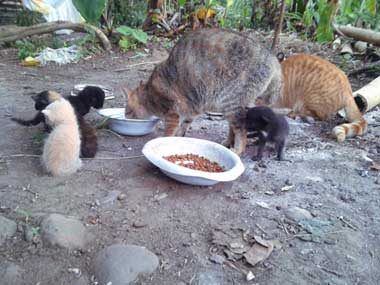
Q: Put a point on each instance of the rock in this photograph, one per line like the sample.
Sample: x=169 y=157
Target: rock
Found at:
x=10 y=274
x=297 y=214
x=110 y=198
x=82 y=280
x=216 y=258
x=7 y=229
x=139 y=224
x=122 y=196
x=64 y=232
x=209 y=278
x=122 y=264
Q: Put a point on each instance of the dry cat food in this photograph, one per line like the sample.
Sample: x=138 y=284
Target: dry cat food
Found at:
x=195 y=162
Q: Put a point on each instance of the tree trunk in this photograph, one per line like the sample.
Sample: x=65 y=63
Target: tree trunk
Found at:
x=279 y=26
x=44 y=28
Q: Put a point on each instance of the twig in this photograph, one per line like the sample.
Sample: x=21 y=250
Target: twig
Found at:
x=261 y=229
x=137 y=64
x=94 y=158
x=347 y=223
x=283 y=226
x=373 y=65
x=330 y=271
x=112 y=132
x=20 y=155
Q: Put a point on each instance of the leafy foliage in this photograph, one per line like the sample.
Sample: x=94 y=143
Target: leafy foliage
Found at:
x=31 y=47
x=91 y=10
x=28 y=18
x=131 y=37
x=129 y=13
x=326 y=12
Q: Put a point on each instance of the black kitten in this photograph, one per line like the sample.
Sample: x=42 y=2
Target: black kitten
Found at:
x=90 y=96
x=263 y=123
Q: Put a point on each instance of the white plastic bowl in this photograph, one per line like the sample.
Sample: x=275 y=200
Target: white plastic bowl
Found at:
x=155 y=149
x=130 y=127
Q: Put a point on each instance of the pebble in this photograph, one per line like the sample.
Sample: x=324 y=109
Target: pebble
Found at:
x=7 y=229
x=111 y=198
x=122 y=264
x=121 y=197
x=297 y=214
x=139 y=224
x=58 y=230
x=216 y=258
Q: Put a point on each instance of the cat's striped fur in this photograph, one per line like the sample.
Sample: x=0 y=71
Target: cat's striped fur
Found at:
x=315 y=87
x=208 y=70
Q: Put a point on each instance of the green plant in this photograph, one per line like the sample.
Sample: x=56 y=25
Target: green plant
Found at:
x=91 y=10
x=88 y=45
x=129 y=13
x=28 y=18
x=33 y=46
x=27 y=215
x=326 y=11
x=25 y=49
x=131 y=37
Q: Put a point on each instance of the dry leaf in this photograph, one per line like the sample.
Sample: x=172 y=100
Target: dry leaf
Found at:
x=260 y=251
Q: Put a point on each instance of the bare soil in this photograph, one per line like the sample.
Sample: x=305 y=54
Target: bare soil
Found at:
x=334 y=182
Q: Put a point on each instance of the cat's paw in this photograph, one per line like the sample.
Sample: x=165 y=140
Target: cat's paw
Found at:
x=237 y=151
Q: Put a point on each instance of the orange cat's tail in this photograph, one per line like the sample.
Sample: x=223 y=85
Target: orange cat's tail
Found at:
x=357 y=124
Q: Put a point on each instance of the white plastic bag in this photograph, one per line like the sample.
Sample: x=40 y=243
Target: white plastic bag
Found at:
x=55 y=10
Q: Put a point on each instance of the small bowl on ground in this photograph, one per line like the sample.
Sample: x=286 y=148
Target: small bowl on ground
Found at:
x=124 y=126
x=156 y=149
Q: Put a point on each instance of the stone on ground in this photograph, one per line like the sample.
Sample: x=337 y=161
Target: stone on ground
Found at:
x=65 y=232
x=297 y=214
x=123 y=264
x=7 y=229
x=10 y=274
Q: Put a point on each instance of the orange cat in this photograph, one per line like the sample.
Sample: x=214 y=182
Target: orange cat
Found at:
x=315 y=87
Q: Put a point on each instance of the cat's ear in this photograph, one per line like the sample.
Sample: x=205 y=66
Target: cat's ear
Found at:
x=125 y=92
x=46 y=112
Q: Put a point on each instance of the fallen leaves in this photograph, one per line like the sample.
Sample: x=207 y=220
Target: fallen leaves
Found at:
x=260 y=251
x=237 y=244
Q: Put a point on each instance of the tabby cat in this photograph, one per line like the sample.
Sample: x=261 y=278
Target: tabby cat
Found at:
x=315 y=87
x=208 y=70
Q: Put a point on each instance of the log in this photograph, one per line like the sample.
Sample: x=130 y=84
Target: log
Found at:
x=44 y=28
x=366 y=97
x=359 y=34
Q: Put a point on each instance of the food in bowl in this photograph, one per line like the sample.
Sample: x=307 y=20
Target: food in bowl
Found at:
x=196 y=162
x=155 y=150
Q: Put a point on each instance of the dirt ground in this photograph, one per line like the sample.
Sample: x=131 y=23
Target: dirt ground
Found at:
x=334 y=182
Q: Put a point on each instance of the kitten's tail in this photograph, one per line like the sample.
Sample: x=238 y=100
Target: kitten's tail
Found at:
x=357 y=125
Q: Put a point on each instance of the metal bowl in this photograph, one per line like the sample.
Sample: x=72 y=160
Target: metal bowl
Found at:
x=124 y=126
x=156 y=149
